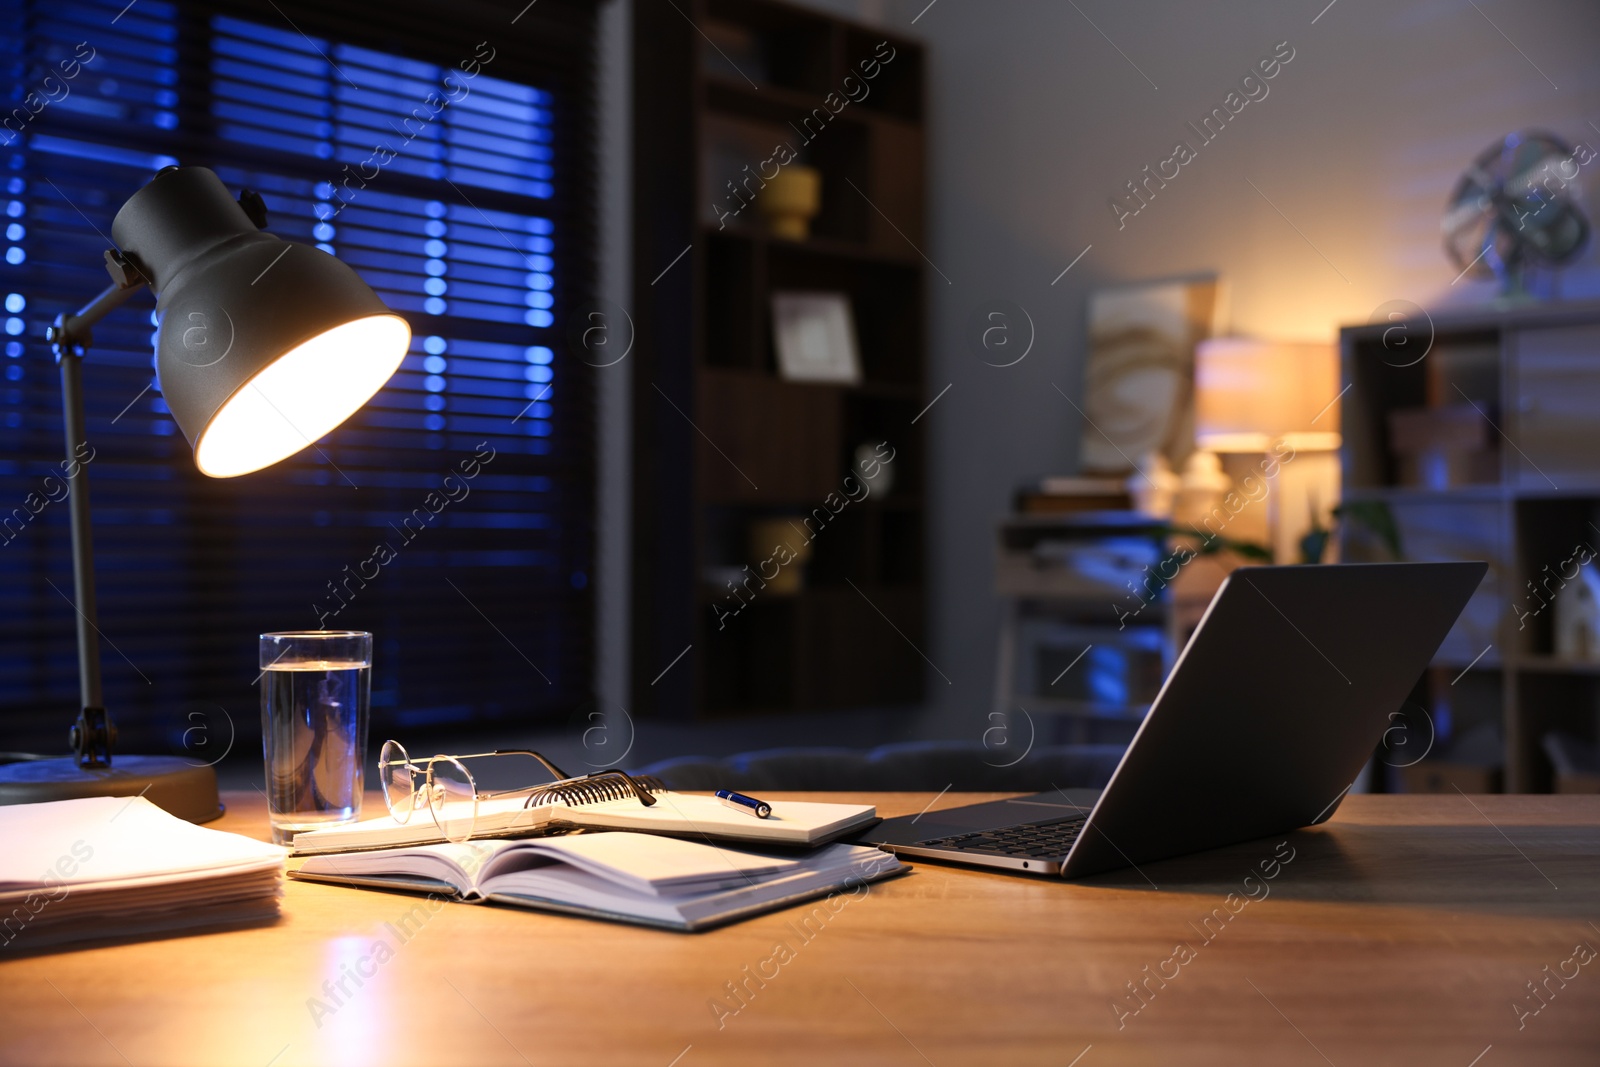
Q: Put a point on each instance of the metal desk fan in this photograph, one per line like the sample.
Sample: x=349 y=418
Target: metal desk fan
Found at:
x=1515 y=208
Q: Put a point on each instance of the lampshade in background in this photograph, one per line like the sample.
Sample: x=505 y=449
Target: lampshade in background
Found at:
x=1278 y=397
x=265 y=345
x=1250 y=394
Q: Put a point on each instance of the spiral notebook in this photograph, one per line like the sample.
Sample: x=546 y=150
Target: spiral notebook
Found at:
x=793 y=823
x=627 y=877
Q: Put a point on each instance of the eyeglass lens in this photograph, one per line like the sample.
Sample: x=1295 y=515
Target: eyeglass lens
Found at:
x=452 y=798
x=395 y=774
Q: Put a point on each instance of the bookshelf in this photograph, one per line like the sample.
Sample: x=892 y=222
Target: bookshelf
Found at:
x=1518 y=486
x=723 y=443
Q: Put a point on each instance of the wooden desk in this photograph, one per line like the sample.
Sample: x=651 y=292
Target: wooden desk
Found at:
x=1402 y=932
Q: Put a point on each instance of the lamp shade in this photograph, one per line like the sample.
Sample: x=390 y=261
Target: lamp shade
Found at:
x=264 y=345
x=1250 y=393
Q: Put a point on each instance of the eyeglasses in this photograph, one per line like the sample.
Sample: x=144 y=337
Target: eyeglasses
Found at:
x=444 y=786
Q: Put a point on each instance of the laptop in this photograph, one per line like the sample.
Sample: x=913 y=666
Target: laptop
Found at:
x=1273 y=708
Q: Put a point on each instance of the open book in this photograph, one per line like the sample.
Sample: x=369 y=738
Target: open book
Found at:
x=793 y=823
x=641 y=878
x=97 y=867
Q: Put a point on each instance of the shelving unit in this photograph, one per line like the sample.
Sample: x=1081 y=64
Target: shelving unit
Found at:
x=1529 y=498
x=721 y=440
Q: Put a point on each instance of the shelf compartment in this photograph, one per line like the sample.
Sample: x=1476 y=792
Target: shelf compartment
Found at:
x=1553 y=535
x=1569 y=703
x=901 y=546
x=1558 y=394
x=884 y=423
x=1446 y=529
x=891 y=79
x=762 y=440
x=885 y=301
x=733 y=274
x=1438 y=738
x=843 y=548
x=742 y=154
x=729 y=95
x=749 y=662
x=1460 y=371
x=1091 y=667
x=769 y=44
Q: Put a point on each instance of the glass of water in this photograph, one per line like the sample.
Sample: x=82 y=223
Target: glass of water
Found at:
x=315 y=688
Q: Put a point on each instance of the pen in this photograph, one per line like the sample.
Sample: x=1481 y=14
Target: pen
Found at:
x=738 y=801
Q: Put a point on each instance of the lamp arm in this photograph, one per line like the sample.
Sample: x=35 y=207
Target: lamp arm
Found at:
x=93 y=736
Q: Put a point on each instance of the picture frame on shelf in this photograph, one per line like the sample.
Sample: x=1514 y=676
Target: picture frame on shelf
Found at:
x=814 y=335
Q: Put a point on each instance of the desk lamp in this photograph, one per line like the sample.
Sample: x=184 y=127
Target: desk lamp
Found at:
x=264 y=346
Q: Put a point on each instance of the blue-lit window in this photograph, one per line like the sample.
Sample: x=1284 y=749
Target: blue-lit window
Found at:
x=438 y=177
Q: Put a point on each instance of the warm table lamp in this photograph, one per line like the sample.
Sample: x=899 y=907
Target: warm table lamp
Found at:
x=1278 y=397
x=263 y=347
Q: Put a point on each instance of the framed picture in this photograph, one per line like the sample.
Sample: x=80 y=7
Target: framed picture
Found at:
x=1138 y=390
x=815 y=337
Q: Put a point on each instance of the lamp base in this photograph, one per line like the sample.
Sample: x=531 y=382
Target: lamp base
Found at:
x=171 y=783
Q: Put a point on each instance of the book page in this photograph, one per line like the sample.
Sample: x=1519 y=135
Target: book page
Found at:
x=457 y=865
x=500 y=817
x=644 y=863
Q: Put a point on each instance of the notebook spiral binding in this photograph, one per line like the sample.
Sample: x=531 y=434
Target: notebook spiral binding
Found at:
x=592 y=789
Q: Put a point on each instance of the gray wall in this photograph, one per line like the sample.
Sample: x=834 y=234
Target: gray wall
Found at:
x=1037 y=120
x=613 y=522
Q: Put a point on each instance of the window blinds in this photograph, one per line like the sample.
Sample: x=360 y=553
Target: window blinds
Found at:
x=452 y=516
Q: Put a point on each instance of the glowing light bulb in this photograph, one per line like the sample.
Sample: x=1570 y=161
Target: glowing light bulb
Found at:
x=302 y=396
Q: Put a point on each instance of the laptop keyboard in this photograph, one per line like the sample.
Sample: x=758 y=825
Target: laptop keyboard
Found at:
x=1035 y=840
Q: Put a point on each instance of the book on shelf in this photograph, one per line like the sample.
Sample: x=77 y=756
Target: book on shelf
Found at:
x=1066 y=495
x=793 y=823
x=104 y=867
x=626 y=877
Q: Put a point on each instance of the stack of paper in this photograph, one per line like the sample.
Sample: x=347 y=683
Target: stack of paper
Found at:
x=75 y=870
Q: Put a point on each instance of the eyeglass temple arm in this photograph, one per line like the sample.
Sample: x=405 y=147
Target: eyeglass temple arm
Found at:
x=551 y=767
